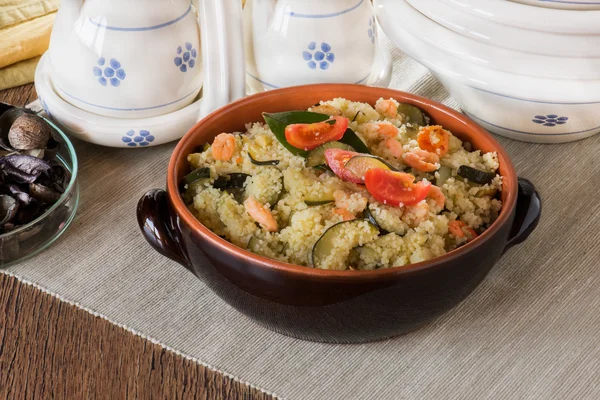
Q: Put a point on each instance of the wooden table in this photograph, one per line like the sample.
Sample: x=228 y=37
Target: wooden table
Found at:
x=51 y=349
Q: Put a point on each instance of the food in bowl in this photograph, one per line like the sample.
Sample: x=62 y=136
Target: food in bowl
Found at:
x=344 y=185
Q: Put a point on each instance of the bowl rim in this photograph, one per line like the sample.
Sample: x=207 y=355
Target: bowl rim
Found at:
x=68 y=190
x=199 y=229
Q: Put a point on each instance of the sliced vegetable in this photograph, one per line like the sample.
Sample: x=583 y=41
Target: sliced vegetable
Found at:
x=486 y=191
x=395 y=188
x=231 y=181
x=200 y=173
x=415 y=114
x=326 y=243
x=444 y=173
x=310 y=136
x=353 y=140
x=262 y=163
x=279 y=121
x=192 y=189
x=474 y=175
x=314 y=203
x=316 y=156
x=434 y=139
x=253 y=244
x=367 y=214
x=359 y=165
x=233 y=184
x=337 y=159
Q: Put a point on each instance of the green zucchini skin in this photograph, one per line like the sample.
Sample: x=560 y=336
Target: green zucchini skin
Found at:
x=474 y=175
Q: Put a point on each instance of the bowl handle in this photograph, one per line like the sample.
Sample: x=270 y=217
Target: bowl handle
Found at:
x=159 y=226
x=223 y=56
x=527 y=215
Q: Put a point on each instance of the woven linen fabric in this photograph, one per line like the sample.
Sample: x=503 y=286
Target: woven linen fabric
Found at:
x=529 y=331
x=16 y=11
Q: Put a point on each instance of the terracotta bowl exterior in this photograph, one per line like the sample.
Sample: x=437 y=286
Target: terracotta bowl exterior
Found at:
x=332 y=306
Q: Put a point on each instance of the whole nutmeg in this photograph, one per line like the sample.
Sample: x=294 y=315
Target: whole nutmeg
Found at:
x=29 y=132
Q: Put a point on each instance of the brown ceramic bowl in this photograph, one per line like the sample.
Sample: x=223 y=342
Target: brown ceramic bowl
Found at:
x=332 y=306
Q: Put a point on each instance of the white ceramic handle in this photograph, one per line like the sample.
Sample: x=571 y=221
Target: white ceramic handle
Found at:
x=222 y=53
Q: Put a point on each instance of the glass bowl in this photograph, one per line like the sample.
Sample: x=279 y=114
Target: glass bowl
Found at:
x=32 y=238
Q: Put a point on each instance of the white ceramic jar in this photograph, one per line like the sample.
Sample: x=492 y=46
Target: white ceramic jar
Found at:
x=126 y=59
x=293 y=42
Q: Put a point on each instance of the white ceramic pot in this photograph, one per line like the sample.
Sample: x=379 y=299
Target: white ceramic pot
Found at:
x=521 y=107
x=108 y=131
x=578 y=5
x=490 y=55
x=294 y=42
x=506 y=36
x=138 y=58
x=533 y=18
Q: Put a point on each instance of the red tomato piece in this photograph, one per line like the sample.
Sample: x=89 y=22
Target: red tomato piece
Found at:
x=308 y=136
x=395 y=188
x=337 y=159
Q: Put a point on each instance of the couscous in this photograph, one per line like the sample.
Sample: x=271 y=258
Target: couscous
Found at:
x=344 y=185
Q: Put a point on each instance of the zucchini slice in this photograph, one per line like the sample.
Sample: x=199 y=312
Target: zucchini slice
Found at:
x=326 y=243
x=316 y=156
x=254 y=155
x=359 y=165
x=232 y=183
x=415 y=115
x=474 y=175
x=314 y=203
x=253 y=244
x=367 y=214
x=444 y=173
x=200 y=173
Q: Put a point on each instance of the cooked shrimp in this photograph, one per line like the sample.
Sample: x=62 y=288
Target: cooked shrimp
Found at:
x=394 y=147
x=387 y=108
x=435 y=194
x=414 y=215
x=345 y=214
x=223 y=147
x=350 y=202
x=458 y=229
x=387 y=129
x=327 y=109
x=421 y=160
x=260 y=214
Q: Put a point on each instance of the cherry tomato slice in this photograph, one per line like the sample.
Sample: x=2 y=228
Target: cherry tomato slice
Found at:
x=308 y=136
x=336 y=160
x=395 y=188
x=434 y=139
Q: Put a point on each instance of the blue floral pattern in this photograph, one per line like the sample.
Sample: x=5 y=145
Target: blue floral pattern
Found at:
x=322 y=57
x=186 y=59
x=144 y=138
x=112 y=73
x=372 y=29
x=550 y=120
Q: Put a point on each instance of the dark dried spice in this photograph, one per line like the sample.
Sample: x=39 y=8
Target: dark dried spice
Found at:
x=31 y=178
x=19 y=193
x=7 y=119
x=43 y=194
x=8 y=209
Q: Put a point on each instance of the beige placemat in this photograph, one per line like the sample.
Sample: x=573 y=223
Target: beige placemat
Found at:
x=530 y=331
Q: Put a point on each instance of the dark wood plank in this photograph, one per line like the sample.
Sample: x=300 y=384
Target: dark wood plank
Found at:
x=19 y=96
x=52 y=350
